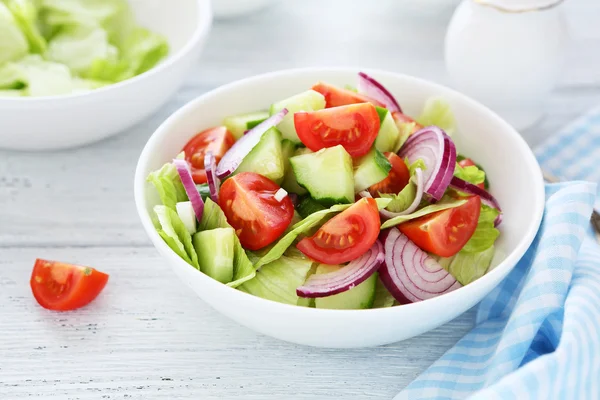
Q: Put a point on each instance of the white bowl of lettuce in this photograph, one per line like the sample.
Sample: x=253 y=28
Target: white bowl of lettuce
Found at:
x=76 y=71
x=270 y=296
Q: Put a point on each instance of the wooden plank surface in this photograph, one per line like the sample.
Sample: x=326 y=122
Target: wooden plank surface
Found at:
x=149 y=337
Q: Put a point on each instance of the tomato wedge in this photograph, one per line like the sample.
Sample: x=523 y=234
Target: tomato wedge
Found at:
x=335 y=96
x=401 y=119
x=354 y=126
x=217 y=139
x=445 y=232
x=61 y=287
x=346 y=236
x=248 y=201
x=396 y=180
x=467 y=162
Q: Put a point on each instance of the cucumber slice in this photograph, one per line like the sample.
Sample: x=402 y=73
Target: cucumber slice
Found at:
x=389 y=135
x=359 y=297
x=204 y=191
x=215 y=253
x=238 y=124
x=302 y=150
x=308 y=206
x=266 y=157
x=288 y=148
x=326 y=174
x=306 y=101
x=370 y=169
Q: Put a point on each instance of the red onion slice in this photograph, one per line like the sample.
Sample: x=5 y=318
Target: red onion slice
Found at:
x=353 y=274
x=438 y=152
x=210 y=165
x=486 y=197
x=183 y=169
x=409 y=273
x=240 y=149
x=370 y=87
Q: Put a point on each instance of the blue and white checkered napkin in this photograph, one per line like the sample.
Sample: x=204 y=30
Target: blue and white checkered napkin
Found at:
x=537 y=335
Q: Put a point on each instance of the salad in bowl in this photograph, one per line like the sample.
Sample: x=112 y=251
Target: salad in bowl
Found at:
x=333 y=198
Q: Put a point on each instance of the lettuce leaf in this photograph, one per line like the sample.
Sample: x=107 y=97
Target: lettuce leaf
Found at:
x=467 y=267
x=13 y=43
x=401 y=201
x=470 y=174
x=213 y=217
x=25 y=13
x=383 y=298
x=168 y=184
x=444 y=204
x=11 y=76
x=485 y=234
x=175 y=234
x=44 y=78
x=437 y=112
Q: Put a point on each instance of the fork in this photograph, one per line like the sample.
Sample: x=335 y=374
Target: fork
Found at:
x=594 y=219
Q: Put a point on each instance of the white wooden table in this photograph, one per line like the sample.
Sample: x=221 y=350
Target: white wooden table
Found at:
x=149 y=337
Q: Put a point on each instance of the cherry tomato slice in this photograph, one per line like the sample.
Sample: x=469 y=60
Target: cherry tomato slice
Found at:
x=217 y=139
x=401 y=119
x=59 y=286
x=346 y=236
x=248 y=201
x=445 y=232
x=396 y=180
x=467 y=162
x=354 y=126
x=335 y=96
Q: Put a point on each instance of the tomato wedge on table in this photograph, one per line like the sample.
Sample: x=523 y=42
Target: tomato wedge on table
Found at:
x=217 y=139
x=61 y=287
x=346 y=236
x=396 y=180
x=467 y=162
x=335 y=96
x=249 y=203
x=354 y=126
x=445 y=232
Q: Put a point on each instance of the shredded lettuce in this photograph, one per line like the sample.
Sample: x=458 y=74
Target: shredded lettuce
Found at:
x=444 y=204
x=401 y=201
x=25 y=13
x=175 y=234
x=486 y=234
x=168 y=184
x=13 y=43
x=437 y=112
x=213 y=217
x=467 y=267
x=471 y=174
x=383 y=298
x=405 y=129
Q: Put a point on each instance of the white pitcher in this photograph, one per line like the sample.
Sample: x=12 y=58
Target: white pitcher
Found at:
x=508 y=54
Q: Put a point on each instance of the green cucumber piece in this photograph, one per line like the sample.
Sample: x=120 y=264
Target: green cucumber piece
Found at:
x=302 y=150
x=326 y=174
x=215 y=249
x=266 y=157
x=204 y=191
x=388 y=136
x=288 y=149
x=306 y=101
x=238 y=124
x=370 y=169
x=357 y=298
x=308 y=206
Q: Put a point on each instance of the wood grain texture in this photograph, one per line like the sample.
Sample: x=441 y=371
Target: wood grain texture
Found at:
x=149 y=337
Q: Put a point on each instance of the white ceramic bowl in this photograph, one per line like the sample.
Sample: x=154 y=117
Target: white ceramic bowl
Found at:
x=511 y=167
x=224 y=9
x=54 y=122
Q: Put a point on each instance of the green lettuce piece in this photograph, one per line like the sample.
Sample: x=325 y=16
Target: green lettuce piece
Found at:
x=383 y=298
x=13 y=43
x=44 y=78
x=25 y=13
x=437 y=112
x=12 y=77
x=401 y=201
x=486 y=234
x=467 y=267
x=175 y=234
x=444 y=204
x=405 y=129
x=279 y=279
x=11 y=93
x=168 y=185
x=213 y=217
x=470 y=174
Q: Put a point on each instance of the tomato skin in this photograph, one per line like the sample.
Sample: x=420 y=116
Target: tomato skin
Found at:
x=248 y=201
x=467 y=162
x=217 y=140
x=335 y=96
x=354 y=126
x=396 y=180
x=401 y=119
x=445 y=232
x=346 y=236
x=62 y=287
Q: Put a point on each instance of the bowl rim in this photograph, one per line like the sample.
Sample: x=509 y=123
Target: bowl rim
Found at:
x=538 y=196
x=204 y=22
